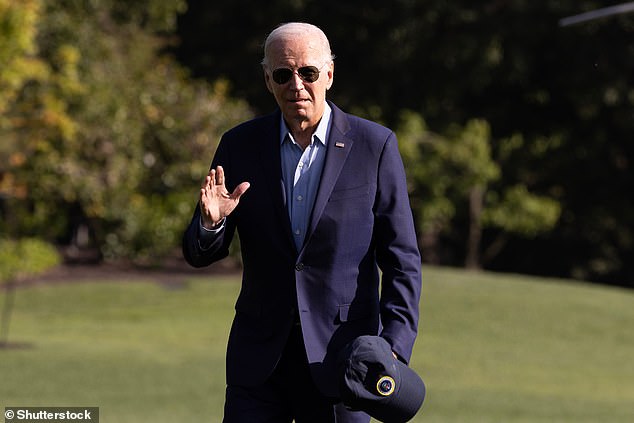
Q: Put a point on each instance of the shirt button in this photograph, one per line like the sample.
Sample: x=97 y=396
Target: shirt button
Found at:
x=300 y=198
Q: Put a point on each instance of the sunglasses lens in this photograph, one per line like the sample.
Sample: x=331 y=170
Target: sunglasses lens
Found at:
x=307 y=73
x=282 y=75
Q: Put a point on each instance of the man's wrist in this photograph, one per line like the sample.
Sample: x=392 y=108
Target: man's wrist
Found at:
x=210 y=226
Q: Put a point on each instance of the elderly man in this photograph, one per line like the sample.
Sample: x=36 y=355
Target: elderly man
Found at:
x=326 y=236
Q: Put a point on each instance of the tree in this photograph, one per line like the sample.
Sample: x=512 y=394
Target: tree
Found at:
x=17 y=50
x=565 y=91
x=118 y=137
x=19 y=260
x=460 y=170
x=19 y=65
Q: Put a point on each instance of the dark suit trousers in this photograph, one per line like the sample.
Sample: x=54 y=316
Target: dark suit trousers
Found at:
x=288 y=395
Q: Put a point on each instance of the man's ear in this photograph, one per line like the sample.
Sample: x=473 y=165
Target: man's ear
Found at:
x=331 y=75
x=267 y=80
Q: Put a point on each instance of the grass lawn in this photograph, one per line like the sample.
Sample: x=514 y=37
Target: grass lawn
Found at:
x=493 y=348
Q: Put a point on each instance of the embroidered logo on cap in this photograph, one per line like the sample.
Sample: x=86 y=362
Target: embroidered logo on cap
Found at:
x=385 y=386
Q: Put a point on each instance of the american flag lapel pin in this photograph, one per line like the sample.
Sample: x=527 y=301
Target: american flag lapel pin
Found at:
x=339 y=144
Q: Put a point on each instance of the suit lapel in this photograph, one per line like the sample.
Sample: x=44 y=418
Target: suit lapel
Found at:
x=337 y=150
x=270 y=165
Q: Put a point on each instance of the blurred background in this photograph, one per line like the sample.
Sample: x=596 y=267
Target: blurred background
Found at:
x=516 y=132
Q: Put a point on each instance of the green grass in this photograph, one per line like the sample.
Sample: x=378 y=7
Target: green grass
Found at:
x=492 y=348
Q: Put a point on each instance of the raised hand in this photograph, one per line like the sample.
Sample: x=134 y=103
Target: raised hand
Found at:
x=216 y=202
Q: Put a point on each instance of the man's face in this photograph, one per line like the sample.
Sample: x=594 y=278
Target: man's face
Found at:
x=301 y=102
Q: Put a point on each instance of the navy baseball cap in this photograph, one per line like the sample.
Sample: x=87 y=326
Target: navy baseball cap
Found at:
x=374 y=381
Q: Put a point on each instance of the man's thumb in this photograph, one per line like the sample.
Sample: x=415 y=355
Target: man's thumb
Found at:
x=240 y=189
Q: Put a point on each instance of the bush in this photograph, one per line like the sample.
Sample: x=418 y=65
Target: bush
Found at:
x=25 y=257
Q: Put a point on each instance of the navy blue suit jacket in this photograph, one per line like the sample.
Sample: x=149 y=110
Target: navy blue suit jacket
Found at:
x=361 y=231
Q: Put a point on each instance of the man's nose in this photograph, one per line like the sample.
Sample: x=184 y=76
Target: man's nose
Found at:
x=296 y=82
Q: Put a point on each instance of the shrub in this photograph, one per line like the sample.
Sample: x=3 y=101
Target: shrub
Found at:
x=25 y=257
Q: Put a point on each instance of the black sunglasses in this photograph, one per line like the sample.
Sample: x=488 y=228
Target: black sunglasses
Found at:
x=306 y=73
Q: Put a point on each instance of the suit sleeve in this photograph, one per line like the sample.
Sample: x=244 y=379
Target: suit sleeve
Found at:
x=397 y=252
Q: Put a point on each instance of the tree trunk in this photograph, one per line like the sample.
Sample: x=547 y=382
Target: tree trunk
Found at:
x=476 y=203
x=428 y=243
x=7 y=309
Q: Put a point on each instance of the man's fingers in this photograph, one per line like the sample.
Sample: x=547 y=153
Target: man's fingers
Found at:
x=214 y=177
x=240 y=189
x=209 y=180
x=220 y=175
x=214 y=186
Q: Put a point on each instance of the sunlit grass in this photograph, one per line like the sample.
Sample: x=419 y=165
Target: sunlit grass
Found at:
x=492 y=348
x=500 y=348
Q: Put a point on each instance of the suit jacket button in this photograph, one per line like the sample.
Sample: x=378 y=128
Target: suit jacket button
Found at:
x=299 y=267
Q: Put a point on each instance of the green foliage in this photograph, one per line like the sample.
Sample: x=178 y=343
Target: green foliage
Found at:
x=94 y=115
x=152 y=226
x=20 y=259
x=468 y=153
x=521 y=212
x=445 y=172
x=25 y=257
x=427 y=182
x=36 y=116
x=17 y=48
x=119 y=131
x=558 y=100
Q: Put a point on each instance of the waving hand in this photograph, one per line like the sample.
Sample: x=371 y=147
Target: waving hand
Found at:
x=216 y=202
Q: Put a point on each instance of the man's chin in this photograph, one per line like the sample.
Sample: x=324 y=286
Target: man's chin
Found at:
x=298 y=107
x=296 y=114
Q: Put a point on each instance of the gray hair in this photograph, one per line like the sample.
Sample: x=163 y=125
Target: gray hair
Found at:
x=298 y=29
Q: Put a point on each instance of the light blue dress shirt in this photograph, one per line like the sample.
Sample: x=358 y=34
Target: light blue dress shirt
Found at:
x=301 y=172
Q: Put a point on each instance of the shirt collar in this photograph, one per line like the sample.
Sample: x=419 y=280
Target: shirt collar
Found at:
x=321 y=132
